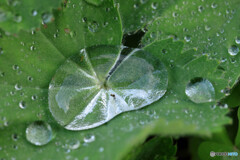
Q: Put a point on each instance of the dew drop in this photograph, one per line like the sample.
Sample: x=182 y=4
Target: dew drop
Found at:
x=34 y=12
x=15 y=67
x=30 y=78
x=101 y=149
x=233 y=50
x=39 y=133
x=47 y=17
x=154 y=5
x=18 y=87
x=214 y=5
x=237 y=40
x=89 y=138
x=17 y=18
x=187 y=38
x=34 y=97
x=74 y=144
x=3 y=16
x=200 y=90
x=93 y=27
x=15 y=137
x=22 y=104
x=1 y=50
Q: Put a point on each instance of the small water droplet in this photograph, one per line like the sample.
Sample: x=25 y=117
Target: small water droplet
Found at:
x=15 y=137
x=200 y=8
x=34 y=12
x=17 y=18
x=39 y=133
x=154 y=5
x=135 y=6
x=30 y=78
x=187 y=38
x=101 y=149
x=22 y=104
x=207 y=28
x=233 y=50
x=47 y=17
x=214 y=5
x=18 y=87
x=34 y=97
x=15 y=67
x=93 y=27
x=200 y=90
x=89 y=138
x=237 y=40
x=1 y=50
x=73 y=144
x=84 y=19
x=32 y=48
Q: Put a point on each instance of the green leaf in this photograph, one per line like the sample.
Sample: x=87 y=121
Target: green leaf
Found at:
x=209 y=26
x=157 y=148
x=16 y=15
x=237 y=140
x=30 y=60
x=233 y=100
x=94 y=2
x=136 y=15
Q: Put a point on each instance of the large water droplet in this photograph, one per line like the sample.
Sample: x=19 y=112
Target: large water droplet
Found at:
x=233 y=50
x=39 y=133
x=99 y=83
x=200 y=90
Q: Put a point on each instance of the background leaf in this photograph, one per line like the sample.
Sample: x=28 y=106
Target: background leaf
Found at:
x=26 y=14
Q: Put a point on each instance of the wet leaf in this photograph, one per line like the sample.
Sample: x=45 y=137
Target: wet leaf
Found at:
x=16 y=15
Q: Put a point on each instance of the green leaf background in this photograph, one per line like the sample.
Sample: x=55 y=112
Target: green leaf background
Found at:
x=30 y=59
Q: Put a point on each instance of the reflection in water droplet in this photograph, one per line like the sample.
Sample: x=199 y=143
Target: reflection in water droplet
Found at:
x=233 y=50
x=39 y=133
x=200 y=90
x=85 y=95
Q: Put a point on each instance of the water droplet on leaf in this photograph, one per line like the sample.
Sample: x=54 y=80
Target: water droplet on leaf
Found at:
x=22 y=105
x=34 y=12
x=233 y=50
x=89 y=138
x=17 y=18
x=85 y=95
x=200 y=90
x=47 y=17
x=39 y=133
